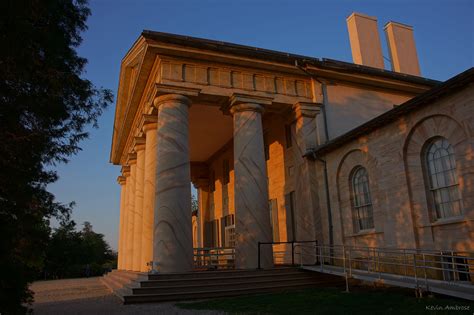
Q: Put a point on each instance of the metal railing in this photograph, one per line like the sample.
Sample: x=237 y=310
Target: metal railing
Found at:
x=293 y=246
x=422 y=265
x=207 y=258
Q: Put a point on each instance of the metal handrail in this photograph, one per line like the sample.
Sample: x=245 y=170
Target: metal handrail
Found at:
x=279 y=243
x=398 y=249
x=216 y=257
x=428 y=262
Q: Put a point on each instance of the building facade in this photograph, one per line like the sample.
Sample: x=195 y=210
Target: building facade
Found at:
x=255 y=131
x=405 y=179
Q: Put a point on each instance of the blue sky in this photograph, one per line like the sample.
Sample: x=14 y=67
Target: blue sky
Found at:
x=444 y=34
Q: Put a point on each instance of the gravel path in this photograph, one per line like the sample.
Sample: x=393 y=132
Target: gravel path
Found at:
x=90 y=296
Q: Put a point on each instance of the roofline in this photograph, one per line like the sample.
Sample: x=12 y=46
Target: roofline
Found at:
x=278 y=56
x=442 y=89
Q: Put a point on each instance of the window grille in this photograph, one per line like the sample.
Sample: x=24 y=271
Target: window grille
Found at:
x=229 y=230
x=362 y=202
x=443 y=182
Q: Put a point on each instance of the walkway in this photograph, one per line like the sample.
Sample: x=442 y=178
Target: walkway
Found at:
x=90 y=296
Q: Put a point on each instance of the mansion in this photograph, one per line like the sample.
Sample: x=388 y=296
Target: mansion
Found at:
x=287 y=148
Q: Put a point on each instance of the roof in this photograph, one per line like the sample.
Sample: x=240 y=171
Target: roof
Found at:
x=455 y=83
x=278 y=56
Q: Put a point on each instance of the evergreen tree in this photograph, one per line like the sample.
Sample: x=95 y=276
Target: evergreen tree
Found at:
x=45 y=104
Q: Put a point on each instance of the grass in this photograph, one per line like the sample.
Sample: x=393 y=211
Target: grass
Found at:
x=362 y=300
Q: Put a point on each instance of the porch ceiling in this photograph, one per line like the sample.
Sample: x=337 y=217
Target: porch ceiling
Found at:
x=209 y=130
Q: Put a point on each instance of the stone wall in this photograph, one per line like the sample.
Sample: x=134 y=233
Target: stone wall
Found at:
x=392 y=156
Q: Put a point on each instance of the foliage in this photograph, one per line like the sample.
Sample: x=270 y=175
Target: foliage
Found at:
x=45 y=105
x=194 y=203
x=72 y=253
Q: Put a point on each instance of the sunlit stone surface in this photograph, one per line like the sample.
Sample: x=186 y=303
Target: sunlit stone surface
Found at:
x=148 y=195
x=123 y=192
x=130 y=216
x=138 y=206
x=251 y=192
x=172 y=249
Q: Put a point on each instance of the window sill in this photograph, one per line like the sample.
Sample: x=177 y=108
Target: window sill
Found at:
x=365 y=233
x=454 y=220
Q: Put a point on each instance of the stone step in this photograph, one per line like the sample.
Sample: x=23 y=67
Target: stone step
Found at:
x=228 y=279
x=220 y=273
x=144 y=298
x=111 y=283
x=219 y=286
x=131 y=275
x=126 y=277
x=127 y=280
x=141 y=288
x=120 y=283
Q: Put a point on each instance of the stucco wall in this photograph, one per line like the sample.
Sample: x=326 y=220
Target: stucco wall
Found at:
x=349 y=106
x=392 y=156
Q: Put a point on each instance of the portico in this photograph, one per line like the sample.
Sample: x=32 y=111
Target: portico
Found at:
x=175 y=118
x=236 y=122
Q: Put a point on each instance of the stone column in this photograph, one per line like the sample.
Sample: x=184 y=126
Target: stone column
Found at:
x=307 y=214
x=123 y=191
x=251 y=188
x=138 y=215
x=148 y=195
x=126 y=174
x=202 y=186
x=172 y=242
x=129 y=250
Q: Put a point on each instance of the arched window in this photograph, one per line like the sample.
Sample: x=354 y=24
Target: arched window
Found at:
x=443 y=182
x=362 y=203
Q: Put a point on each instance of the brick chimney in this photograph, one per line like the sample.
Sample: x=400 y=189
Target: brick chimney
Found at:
x=365 y=40
x=401 y=45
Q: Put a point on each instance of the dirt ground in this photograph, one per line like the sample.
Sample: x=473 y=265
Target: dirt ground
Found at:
x=90 y=296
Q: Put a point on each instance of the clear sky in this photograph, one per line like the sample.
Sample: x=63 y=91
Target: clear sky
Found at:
x=444 y=34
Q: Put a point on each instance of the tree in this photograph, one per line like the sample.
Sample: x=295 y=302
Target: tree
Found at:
x=72 y=253
x=194 y=203
x=64 y=252
x=45 y=105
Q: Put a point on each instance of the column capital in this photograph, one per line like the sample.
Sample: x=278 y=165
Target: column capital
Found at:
x=138 y=144
x=126 y=171
x=245 y=102
x=121 y=180
x=306 y=109
x=148 y=122
x=150 y=126
x=163 y=99
x=132 y=158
